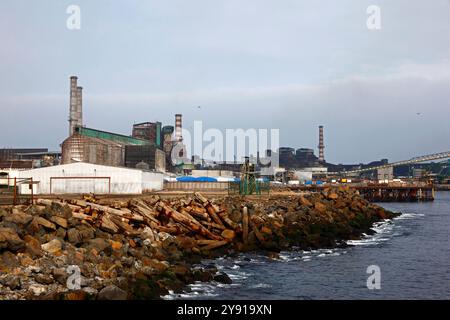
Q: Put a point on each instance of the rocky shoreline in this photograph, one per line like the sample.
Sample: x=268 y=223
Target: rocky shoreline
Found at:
x=143 y=248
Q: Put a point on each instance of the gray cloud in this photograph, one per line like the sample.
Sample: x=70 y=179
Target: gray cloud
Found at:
x=264 y=64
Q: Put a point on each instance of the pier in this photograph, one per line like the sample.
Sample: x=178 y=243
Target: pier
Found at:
x=384 y=192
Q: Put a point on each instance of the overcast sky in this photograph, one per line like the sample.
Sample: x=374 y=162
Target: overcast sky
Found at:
x=287 y=64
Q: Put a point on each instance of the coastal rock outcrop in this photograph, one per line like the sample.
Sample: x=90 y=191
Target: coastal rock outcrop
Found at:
x=145 y=247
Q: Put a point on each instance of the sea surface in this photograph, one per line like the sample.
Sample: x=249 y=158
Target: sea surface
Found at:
x=412 y=252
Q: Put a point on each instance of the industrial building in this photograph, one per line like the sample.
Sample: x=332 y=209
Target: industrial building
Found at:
x=26 y=158
x=149 y=131
x=143 y=149
x=106 y=148
x=81 y=177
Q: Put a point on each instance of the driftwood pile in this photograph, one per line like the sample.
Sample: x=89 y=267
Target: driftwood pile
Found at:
x=197 y=217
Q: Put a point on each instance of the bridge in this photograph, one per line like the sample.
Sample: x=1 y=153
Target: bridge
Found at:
x=430 y=157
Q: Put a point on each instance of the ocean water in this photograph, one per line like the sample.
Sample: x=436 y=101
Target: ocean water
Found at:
x=411 y=251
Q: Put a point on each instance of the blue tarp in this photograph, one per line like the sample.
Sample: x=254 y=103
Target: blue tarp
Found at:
x=196 y=179
x=186 y=179
x=206 y=179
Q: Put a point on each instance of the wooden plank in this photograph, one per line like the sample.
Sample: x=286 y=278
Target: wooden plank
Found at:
x=245 y=225
x=224 y=216
x=214 y=245
x=107 y=225
x=112 y=211
x=188 y=221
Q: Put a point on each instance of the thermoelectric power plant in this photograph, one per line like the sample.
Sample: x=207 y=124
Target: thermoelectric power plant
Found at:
x=146 y=148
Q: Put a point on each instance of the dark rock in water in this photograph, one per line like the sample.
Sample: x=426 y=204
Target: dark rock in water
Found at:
x=273 y=255
x=223 y=278
x=201 y=275
x=211 y=268
x=181 y=271
x=112 y=292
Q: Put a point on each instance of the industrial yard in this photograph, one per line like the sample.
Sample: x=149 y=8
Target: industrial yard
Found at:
x=154 y=158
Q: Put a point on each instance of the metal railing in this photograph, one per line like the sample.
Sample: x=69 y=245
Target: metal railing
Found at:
x=10 y=191
x=435 y=156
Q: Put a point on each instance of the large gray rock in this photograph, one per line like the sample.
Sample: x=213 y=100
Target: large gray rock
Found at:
x=112 y=292
x=19 y=218
x=10 y=240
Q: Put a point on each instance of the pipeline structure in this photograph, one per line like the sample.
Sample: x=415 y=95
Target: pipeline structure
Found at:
x=430 y=157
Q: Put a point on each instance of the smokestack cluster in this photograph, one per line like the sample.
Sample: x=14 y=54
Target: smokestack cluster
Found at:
x=178 y=125
x=76 y=105
x=321 y=145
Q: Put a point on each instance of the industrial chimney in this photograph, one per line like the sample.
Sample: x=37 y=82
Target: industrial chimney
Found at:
x=178 y=125
x=321 y=145
x=73 y=105
x=79 y=112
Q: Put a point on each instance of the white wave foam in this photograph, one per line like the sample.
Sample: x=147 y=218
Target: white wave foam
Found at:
x=409 y=215
x=260 y=285
x=237 y=276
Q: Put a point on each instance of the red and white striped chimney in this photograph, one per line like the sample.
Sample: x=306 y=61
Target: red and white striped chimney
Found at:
x=321 y=145
x=178 y=126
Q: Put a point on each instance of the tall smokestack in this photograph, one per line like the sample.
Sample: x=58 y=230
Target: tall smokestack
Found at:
x=321 y=145
x=79 y=112
x=178 y=125
x=73 y=105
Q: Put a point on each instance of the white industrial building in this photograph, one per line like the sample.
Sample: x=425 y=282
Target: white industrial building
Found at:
x=89 y=178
